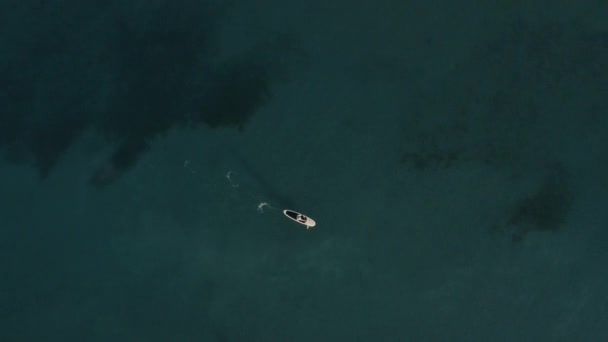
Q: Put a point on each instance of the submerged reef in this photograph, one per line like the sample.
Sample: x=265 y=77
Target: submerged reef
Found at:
x=128 y=75
x=544 y=210
x=507 y=107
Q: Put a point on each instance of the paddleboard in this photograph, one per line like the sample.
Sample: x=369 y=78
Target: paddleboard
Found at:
x=300 y=218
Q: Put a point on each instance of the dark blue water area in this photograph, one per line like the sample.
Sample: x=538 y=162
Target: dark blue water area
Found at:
x=452 y=155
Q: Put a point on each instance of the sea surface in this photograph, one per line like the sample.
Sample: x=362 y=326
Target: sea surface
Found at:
x=453 y=155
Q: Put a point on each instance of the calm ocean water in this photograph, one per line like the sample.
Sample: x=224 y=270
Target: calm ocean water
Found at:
x=452 y=155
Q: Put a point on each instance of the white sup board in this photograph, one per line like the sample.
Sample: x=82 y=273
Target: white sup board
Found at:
x=300 y=218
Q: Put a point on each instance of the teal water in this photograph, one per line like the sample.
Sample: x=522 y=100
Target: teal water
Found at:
x=452 y=155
